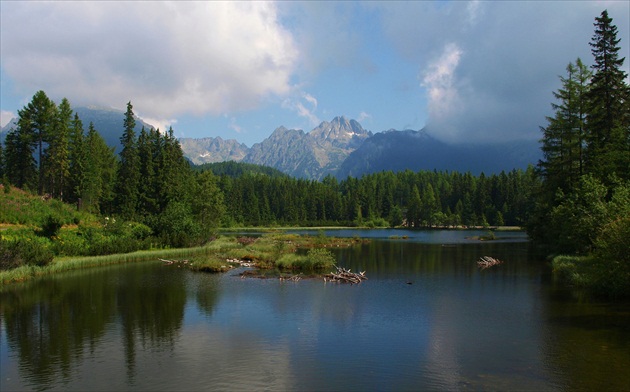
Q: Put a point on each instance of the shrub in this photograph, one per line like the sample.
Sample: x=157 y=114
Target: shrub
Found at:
x=320 y=258
x=51 y=226
x=24 y=251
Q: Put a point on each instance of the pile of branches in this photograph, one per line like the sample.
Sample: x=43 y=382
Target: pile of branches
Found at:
x=345 y=276
x=487 y=262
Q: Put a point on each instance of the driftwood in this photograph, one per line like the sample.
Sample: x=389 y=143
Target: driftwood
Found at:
x=176 y=262
x=293 y=278
x=345 y=276
x=487 y=262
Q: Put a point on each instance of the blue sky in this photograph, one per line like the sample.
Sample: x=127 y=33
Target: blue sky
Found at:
x=469 y=71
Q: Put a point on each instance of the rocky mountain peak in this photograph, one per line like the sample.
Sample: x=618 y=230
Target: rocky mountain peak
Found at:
x=339 y=131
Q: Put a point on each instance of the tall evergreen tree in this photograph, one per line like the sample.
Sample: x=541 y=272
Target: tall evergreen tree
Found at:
x=147 y=189
x=20 y=165
x=127 y=188
x=563 y=139
x=35 y=124
x=608 y=148
x=77 y=160
x=56 y=159
x=96 y=192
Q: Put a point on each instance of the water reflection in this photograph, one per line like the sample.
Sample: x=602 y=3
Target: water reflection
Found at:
x=427 y=318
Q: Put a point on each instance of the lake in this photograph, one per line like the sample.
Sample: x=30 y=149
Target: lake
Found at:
x=426 y=319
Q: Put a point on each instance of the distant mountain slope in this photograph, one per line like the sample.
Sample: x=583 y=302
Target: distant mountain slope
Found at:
x=416 y=150
x=108 y=122
x=210 y=150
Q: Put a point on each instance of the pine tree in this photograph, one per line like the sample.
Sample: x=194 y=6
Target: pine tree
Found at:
x=608 y=148
x=127 y=186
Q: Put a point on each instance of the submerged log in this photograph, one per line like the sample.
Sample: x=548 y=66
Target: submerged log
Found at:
x=487 y=262
x=345 y=276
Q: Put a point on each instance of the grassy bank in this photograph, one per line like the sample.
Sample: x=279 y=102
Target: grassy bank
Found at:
x=27 y=272
x=273 y=250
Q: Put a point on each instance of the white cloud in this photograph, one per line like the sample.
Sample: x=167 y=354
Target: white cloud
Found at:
x=159 y=124
x=364 y=116
x=168 y=58
x=5 y=117
x=440 y=83
x=299 y=106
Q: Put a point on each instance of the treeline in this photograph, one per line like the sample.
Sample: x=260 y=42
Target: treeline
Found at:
x=422 y=199
x=583 y=203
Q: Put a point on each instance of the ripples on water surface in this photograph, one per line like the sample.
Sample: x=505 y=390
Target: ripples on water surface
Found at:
x=427 y=318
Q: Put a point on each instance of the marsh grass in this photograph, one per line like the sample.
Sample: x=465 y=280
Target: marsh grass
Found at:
x=267 y=252
x=24 y=273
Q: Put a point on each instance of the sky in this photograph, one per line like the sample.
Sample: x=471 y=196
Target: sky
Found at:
x=467 y=71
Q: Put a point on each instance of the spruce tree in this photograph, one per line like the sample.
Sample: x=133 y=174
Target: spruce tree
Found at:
x=563 y=139
x=147 y=189
x=56 y=160
x=608 y=148
x=129 y=168
x=20 y=165
x=35 y=126
x=77 y=160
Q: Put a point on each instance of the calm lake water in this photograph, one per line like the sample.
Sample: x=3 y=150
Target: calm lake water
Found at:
x=427 y=319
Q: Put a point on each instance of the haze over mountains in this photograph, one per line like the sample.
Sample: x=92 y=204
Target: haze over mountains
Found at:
x=339 y=148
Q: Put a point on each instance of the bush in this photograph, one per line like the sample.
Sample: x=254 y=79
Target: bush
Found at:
x=51 y=226
x=320 y=258
x=24 y=251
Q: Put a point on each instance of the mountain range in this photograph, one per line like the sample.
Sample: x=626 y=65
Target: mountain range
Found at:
x=339 y=148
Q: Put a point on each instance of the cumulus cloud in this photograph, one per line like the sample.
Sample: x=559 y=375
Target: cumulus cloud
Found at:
x=509 y=56
x=439 y=81
x=167 y=58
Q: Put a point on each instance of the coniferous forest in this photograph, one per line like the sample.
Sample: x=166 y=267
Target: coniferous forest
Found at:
x=576 y=201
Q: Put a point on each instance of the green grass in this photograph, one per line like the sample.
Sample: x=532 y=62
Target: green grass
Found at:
x=268 y=252
x=24 y=273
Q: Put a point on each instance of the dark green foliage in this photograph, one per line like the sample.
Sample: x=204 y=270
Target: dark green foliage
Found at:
x=320 y=258
x=586 y=149
x=177 y=227
x=382 y=199
x=564 y=138
x=608 y=147
x=237 y=169
x=51 y=226
x=127 y=190
x=23 y=251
